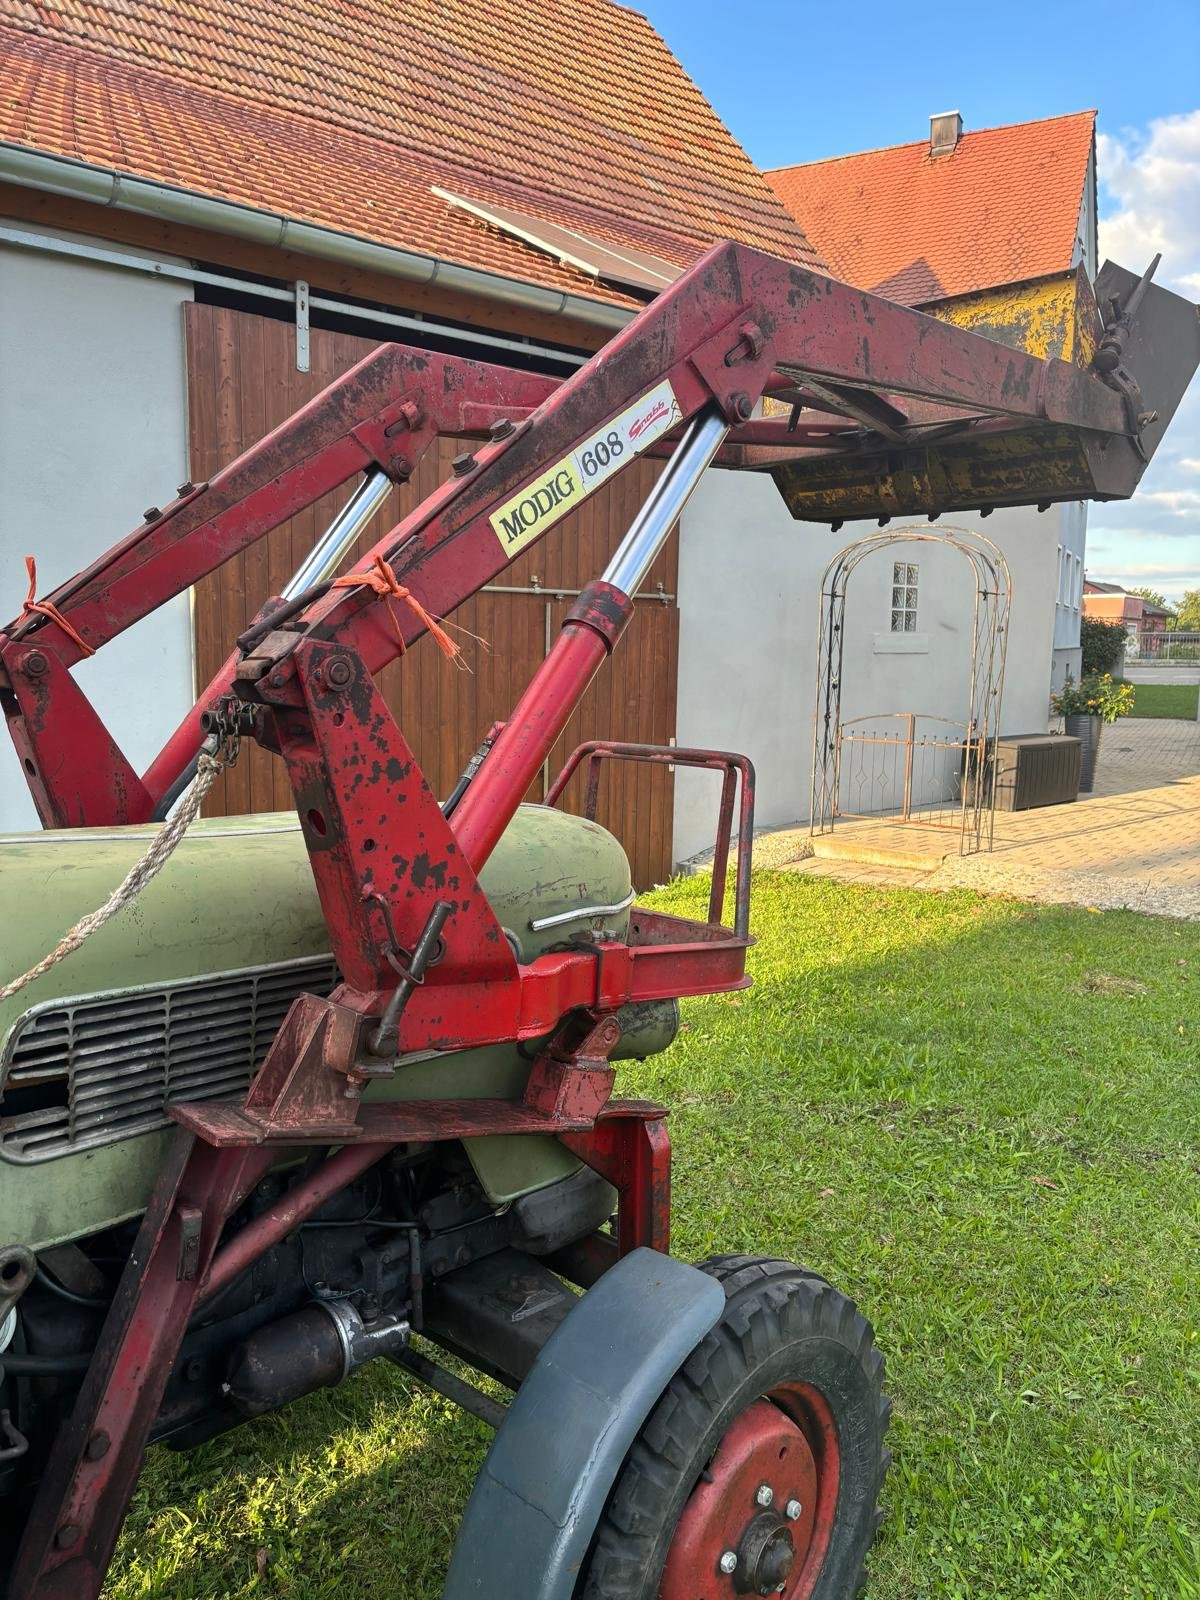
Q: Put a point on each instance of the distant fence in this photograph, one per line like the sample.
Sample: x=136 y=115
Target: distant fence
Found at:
x=1160 y=645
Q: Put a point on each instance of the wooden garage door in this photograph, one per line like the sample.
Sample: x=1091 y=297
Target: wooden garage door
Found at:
x=242 y=381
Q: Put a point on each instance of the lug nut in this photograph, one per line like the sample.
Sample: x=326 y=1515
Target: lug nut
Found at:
x=462 y=464
x=502 y=429
x=793 y=1510
x=338 y=672
x=728 y=1562
x=763 y=1495
x=151 y=514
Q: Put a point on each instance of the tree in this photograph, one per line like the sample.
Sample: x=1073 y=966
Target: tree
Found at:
x=1187 y=613
x=1152 y=595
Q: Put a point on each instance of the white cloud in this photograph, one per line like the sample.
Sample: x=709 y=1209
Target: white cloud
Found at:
x=1180 y=502
x=1150 y=201
x=1150 y=186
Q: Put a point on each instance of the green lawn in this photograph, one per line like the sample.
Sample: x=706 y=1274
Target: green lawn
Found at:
x=979 y=1118
x=1165 y=700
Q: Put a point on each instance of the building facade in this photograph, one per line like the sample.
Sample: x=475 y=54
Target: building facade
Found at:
x=942 y=224
x=201 y=227
x=1108 y=602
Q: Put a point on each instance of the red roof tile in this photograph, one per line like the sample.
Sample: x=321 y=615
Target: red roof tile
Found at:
x=345 y=112
x=1002 y=208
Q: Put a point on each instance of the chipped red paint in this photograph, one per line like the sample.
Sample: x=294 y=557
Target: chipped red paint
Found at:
x=731 y=766
x=631 y=1148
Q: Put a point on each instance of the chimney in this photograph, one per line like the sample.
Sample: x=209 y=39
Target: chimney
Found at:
x=945 y=130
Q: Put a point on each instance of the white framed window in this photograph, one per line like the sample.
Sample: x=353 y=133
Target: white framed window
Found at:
x=904 y=597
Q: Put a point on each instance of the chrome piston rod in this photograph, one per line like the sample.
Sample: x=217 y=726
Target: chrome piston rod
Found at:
x=327 y=554
x=634 y=556
x=318 y=566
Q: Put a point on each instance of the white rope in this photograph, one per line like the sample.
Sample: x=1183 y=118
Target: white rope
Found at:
x=136 y=880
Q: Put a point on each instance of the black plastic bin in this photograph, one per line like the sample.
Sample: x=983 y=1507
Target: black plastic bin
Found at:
x=1035 y=769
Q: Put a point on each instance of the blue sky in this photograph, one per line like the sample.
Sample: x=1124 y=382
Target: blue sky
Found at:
x=798 y=82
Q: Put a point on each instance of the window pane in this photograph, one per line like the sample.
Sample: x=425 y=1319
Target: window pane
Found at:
x=897 y=622
x=910 y=622
x=910 y=598
x=898 y=572
x=897 y=597
x=912 y=572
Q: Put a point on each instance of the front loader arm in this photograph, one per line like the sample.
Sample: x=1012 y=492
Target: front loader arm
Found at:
x=738 y=325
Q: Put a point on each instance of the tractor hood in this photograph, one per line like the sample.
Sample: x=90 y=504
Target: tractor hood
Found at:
x=239 y=892
x=179 y=996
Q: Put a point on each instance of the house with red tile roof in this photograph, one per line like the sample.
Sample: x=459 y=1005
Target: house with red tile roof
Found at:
x=955 y=214
x=402 y=127
x=209 y=210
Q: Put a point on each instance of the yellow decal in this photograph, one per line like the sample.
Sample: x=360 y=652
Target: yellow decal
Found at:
x=543 y=502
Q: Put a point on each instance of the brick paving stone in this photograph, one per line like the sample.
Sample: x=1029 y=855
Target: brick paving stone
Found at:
x=1134 y=842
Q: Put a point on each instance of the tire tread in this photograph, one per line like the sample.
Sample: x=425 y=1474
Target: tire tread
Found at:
x=768 y=1302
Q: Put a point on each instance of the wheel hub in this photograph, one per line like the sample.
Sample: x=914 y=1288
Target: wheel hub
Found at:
x=765 y=1556
x=758 y=1521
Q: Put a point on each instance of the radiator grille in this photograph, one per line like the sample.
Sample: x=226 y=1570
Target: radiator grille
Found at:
x=87 y=1072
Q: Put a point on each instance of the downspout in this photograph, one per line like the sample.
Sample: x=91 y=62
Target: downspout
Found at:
x=104 y=186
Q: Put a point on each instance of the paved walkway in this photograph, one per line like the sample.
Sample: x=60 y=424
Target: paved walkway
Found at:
x=1134 y=842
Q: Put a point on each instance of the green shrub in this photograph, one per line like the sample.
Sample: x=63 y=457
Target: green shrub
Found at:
x=1102 y=644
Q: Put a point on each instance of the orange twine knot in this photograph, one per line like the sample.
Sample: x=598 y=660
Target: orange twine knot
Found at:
x=383 y=581
x=47 y=609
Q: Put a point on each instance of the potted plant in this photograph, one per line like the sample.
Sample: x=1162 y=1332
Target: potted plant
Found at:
x=1085 y=707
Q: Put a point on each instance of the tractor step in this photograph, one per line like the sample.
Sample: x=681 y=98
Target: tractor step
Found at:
x=224 y=1125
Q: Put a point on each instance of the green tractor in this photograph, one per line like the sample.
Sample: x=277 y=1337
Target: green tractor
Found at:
x=279 y=1093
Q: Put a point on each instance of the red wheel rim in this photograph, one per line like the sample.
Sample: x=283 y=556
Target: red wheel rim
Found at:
x=784 y=1443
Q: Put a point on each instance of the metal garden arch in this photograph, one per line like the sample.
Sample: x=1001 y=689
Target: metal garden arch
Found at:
x=966 y=757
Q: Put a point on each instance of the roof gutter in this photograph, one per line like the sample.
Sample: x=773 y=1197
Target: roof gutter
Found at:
x=105 y=186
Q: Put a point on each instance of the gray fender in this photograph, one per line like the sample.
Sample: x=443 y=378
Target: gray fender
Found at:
x=548 y=1474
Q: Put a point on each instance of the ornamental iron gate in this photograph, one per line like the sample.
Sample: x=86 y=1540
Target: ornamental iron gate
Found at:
x=906 y=766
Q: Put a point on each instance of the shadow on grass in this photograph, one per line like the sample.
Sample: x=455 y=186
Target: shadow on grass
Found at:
x=980 y=1119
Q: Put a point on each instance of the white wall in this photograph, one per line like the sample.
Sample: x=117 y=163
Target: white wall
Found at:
x=1068 y=605
x=92 y=431
x=749 y=588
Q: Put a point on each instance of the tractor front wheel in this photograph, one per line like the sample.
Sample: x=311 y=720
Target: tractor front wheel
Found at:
x=758 y=1472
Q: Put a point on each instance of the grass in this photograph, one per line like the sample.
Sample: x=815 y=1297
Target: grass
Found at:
x=1165 y=700
x=980 y=1119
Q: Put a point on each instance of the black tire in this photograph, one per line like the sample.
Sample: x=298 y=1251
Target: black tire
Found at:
x=781 y=1324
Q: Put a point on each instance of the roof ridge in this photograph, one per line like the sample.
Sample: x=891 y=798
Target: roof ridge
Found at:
x=915 y=228
x=917 y=144
x=434 y=165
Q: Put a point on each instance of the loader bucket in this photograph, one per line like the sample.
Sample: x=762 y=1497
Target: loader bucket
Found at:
x=977 y=463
